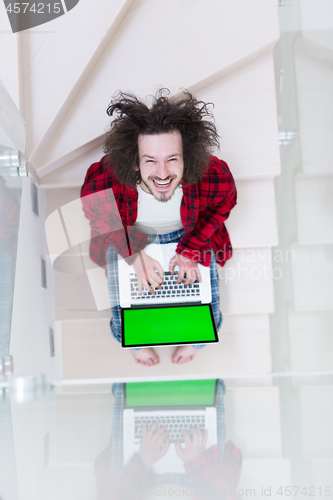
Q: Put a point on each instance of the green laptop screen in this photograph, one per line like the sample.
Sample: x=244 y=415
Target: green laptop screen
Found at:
x=170 y=393
x=168 y=325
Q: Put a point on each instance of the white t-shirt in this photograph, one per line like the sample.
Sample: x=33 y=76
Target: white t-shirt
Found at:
x=156 y=216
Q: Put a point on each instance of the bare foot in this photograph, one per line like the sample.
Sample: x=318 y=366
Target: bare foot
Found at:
x=184 y=354
x=147 y=356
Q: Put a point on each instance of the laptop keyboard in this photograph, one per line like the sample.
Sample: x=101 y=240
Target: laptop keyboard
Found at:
x=169 y=290
x=174 y=423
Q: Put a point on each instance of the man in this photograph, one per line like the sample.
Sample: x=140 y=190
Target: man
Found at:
x=158 y=177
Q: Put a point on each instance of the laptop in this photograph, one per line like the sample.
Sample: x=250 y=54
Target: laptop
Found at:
x=170 y=293
x=177 y=404
x=176 y=315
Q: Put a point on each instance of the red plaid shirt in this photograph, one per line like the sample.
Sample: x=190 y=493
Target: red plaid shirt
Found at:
x=210 y=476
x=111 y=208
x=209 y=473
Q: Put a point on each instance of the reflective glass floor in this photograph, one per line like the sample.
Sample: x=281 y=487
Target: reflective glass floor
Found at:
x=243 y=437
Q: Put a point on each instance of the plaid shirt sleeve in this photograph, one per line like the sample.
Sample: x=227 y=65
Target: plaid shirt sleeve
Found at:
x=105 y=208
x=216 y=195
x=209 y=473
x=133 y=480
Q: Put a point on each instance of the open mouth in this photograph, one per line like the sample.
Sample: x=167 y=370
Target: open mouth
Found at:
x=162 y=184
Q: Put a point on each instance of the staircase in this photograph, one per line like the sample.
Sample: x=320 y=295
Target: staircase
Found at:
x=231 y=68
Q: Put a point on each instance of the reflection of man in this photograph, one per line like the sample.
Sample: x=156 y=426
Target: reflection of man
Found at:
x=205 y=470
x=164 y=181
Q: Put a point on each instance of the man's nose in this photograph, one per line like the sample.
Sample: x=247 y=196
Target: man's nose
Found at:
x=162 y=171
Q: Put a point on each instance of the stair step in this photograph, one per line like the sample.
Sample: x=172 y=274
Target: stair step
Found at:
x=72 y=174
x=246 y=282
x=312 y=275
x=50 y=66
x=90 y=351
x=316 y=416
x=252 y=223
x=253 y=420
x=264 y=477
x=311 y=340
x=314 y=87
x=316 y=23
x=73 y=481
x=246 y=118
x=314 y=209
x=322 y=471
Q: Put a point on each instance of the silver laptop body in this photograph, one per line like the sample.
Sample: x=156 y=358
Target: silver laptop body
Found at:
x=170 y=293
x=175 y=418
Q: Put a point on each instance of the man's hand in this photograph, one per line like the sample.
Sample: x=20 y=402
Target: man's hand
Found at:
x=186 y=266
x=145 y=269
x=152 y=447
x=194 y=446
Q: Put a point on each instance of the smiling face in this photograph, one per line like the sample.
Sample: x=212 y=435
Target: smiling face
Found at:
x=161 y=163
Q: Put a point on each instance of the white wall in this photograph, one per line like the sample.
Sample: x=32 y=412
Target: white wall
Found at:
x=33 y=306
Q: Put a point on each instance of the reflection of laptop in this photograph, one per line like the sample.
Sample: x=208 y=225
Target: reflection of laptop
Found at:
x=178 y=404
x=170 y=293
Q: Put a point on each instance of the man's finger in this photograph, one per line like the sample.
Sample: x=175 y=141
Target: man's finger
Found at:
x=155 y=280
x=196 y=435
x=140 y=287
x=191 y=275
x=153 y=428
x=149 y=288
x=160 y=431
x=179 y=449
x=205 y=438
x=172 y=264
x=191 y=434
x=156 y=277
x=180 y=276
x=187 y=437
x=160 y=270
x=162 y=437
x=144 y=429
x=165 y=447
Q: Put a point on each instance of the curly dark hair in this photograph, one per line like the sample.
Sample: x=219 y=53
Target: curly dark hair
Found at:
x=182 y=112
